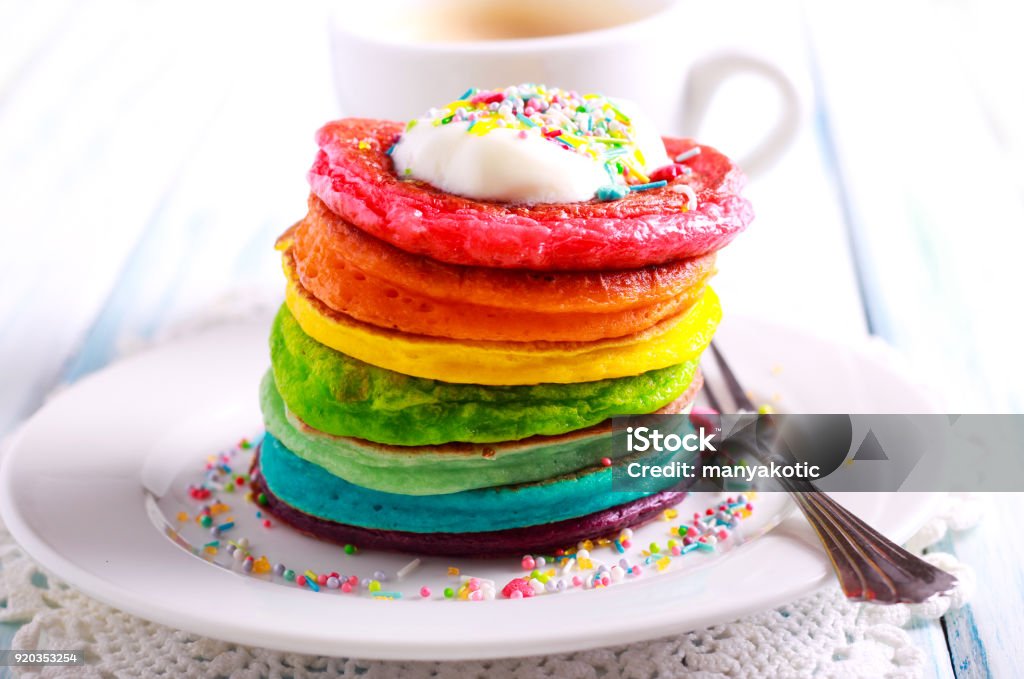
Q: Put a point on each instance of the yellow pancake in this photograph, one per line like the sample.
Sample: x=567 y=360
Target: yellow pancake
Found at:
x=674 y=340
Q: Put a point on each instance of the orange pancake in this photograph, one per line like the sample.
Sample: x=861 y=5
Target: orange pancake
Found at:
x=365 y=278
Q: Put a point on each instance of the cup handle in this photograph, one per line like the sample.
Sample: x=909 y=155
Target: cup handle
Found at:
x=707 y=76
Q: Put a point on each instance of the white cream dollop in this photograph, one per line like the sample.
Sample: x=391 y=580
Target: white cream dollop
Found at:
x=513 y=165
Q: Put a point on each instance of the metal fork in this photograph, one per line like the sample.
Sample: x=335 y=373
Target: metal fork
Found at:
x=870 y=567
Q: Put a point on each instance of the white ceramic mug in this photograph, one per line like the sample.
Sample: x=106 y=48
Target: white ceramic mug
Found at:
x=397 y=58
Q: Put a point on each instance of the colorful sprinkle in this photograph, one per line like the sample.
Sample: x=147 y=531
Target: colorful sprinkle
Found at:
x=648 y=186
x=611 y=192
x=691 y=195
x=408 y=568
x=686 y=155
x=588 y=124
x=519 y=587
x=670 y=172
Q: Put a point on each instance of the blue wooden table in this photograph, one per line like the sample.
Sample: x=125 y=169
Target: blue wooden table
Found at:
x=146 y=166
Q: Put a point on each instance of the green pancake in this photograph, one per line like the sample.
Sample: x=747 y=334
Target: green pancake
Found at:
x=437 y=470
x=337 y=394
x=311 y=490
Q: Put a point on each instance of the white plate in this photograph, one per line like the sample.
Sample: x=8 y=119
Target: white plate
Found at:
x=71 y=493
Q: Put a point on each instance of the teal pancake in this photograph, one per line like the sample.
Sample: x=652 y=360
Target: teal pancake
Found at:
x=447 y=468
x=312 y=490
x=337 y=394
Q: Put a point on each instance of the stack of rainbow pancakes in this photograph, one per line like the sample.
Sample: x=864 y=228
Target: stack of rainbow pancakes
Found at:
x=471 y=298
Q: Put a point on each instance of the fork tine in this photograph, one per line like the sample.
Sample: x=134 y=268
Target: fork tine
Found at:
x=732 y=384
x=709 y=393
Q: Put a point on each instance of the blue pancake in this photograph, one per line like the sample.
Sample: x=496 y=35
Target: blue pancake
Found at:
x=546 y=539
x=314 y=491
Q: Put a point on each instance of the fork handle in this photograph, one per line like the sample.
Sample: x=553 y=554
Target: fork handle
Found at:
x=870 y=566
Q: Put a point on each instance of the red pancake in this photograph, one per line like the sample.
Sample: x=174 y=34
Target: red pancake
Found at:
x=354 y=176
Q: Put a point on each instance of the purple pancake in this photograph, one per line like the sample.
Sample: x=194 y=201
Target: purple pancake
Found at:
x=542 y=539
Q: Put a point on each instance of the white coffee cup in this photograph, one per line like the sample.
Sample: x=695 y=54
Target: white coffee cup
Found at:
x=396 y=58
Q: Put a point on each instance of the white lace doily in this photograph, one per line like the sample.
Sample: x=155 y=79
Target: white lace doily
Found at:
x=821 y=635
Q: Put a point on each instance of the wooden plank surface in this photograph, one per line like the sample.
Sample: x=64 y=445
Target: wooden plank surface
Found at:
x=935 y=215
x=127 y=134
x=144 y=179
x=929 y=198
x=986 y=638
